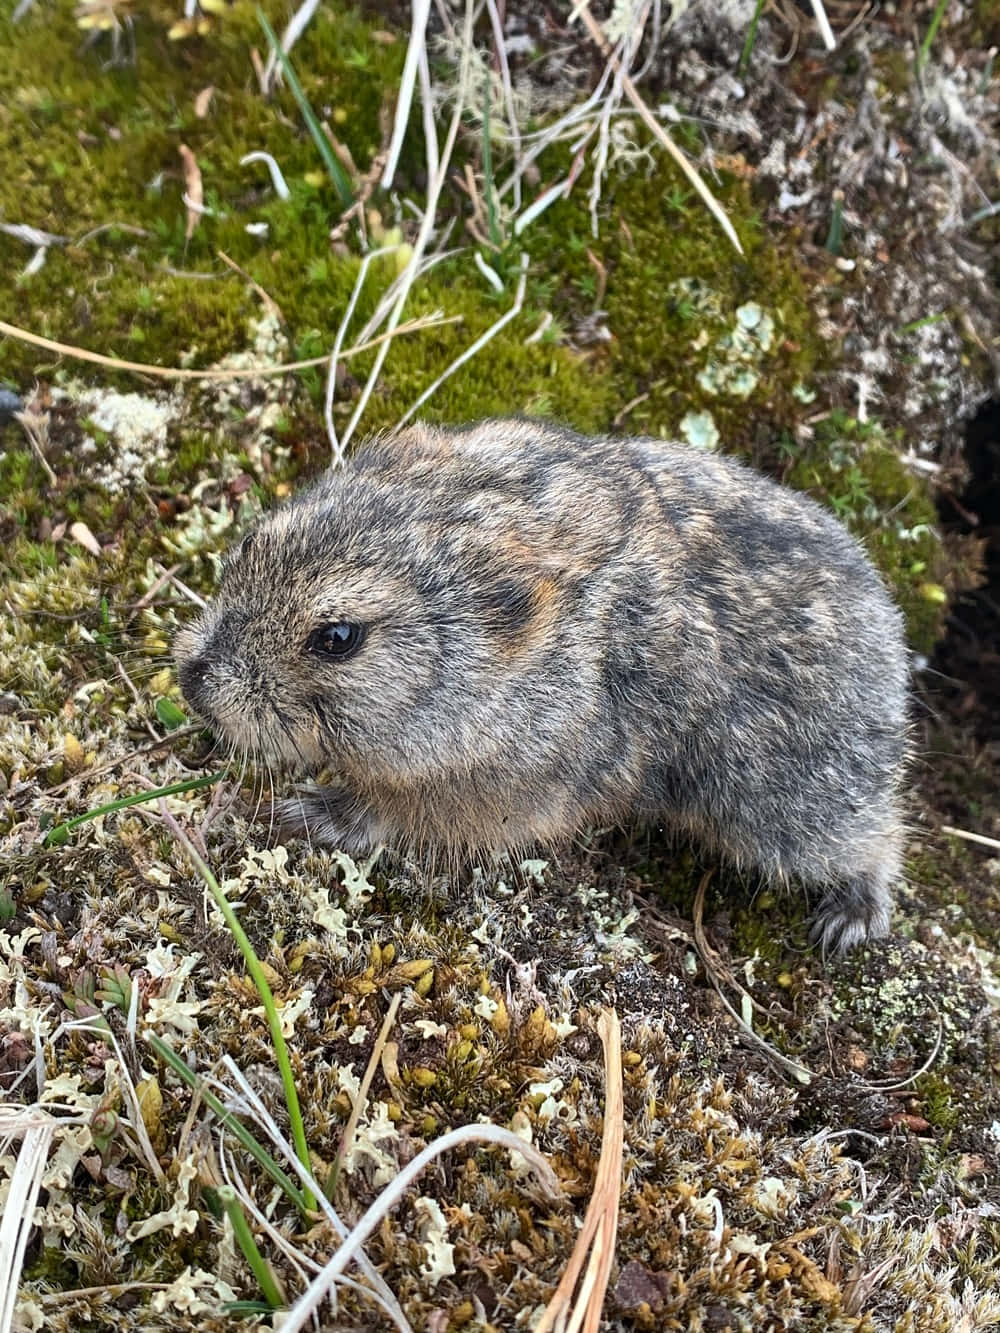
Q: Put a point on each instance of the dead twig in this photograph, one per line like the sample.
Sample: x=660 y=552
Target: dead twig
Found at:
x=362 y=1094
x=269 y=303
x=971 y=837
x=35 y=426
x=101 y=769
x=912 y=1078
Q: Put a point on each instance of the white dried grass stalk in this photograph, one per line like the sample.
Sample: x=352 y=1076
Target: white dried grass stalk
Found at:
x=659 y=133
x=621 y=62
x=508 y=96
x=414 y=50
x=434 y=187
x=312 y=1298
x=823 y=23
x=297 y=25
x=269 y=1126
x=331 y=376
x=471 y=351
x=36 y=1129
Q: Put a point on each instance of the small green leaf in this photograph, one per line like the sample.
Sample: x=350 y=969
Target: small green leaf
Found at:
x=170 y=714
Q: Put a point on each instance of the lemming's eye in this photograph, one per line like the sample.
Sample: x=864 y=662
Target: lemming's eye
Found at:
x=337 y=640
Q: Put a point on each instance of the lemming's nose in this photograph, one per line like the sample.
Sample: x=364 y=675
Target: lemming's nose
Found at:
x=191 y=675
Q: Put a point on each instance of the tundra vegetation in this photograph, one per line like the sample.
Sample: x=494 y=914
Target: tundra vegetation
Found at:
x=217 y=1053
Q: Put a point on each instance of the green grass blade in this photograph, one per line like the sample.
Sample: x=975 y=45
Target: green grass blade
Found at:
x=251 y=1252
x=925 y=45
x=253 y=965
x=751 y=37
x=57 y=836
x=835 y=236
x=337 y=173
x=236 y=1127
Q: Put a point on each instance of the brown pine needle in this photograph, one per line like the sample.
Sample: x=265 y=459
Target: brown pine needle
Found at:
x=600 y=1225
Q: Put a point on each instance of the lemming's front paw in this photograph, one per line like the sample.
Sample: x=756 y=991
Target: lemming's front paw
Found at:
x=329 y=817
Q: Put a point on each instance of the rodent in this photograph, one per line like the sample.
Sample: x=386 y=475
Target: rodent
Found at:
x=495 y=636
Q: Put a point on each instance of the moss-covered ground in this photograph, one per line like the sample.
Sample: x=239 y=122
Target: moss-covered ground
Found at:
x=749 y=1201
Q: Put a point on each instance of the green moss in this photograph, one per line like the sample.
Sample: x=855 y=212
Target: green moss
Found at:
x=853 y=468
x=768 y=924
x=936 y=1101
x=114 y=137
x=673 y=296
x=895 y=69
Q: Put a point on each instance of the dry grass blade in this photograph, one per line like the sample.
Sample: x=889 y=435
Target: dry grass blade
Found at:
x=823 y=23
x=99 y=770
x=917 y=1073
x=600 y=1225
x=194 y=196
x=503 y=68
x=860 y=1285
x=377 y=1285
x=799 y=1072
x=416 y=325
x=471 y=351
x=620 y=61
x=323 y=1286
x=418 y=28
x=658 y=132
x=350 y=1129
x=35 y=427
x=428 y=222
x=266 y=300
x=971 y=837
x=331 y=375
x=36 y=1130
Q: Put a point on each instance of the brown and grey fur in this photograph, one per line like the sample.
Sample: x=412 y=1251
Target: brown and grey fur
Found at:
x=564 y=632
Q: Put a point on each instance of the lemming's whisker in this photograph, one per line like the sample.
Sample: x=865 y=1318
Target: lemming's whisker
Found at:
x=286 y=728
x=256 y=782
x=221 y=800
x=306 y=829
x=235 y=756
x=269 y=772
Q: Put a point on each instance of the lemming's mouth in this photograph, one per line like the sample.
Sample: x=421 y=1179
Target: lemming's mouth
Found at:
x=267 y=738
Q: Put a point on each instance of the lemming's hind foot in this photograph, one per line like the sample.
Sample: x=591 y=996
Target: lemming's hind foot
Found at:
x=330 y=817
x=851 y=911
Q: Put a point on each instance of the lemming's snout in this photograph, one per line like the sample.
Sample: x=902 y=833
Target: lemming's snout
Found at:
x=192 y=674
